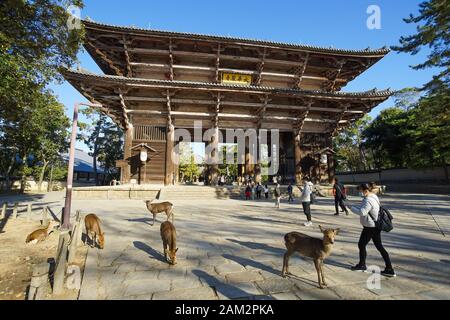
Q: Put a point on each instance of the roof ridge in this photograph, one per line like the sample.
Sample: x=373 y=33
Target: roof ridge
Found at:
x=380 y=51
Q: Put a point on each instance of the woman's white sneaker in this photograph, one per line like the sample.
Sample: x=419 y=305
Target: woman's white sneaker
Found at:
x=308 y=224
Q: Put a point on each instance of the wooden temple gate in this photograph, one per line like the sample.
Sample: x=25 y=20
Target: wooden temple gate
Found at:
x=157 y=81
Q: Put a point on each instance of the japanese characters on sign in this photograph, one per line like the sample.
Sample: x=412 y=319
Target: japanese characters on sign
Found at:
x=236 y=78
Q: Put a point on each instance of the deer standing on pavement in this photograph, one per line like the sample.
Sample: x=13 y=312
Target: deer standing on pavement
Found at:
x=169 y=239
x=94 y=231
x=156 y=208
x=307 y=246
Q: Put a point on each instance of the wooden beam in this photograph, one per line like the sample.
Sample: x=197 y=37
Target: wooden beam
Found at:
x=261 y=112
x=217 y=77
x=234 y=103
x=107 y=59
x=260 y=68
x=338 y=120
x=231 y=70
x=127 y=57
x=333 y=75
x=171 y=73
x=300 y=71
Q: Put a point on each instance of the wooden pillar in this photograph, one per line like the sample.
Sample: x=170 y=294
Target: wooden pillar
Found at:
x=170 y=137
x=128 y=139
x=331 y=167
x=214 y=166
x=298 y=158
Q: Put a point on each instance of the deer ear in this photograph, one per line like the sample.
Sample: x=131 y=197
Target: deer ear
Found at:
x=176 y=249
x=320 y=227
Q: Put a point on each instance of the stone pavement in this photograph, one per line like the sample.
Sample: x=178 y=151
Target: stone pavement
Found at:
x=232 y=249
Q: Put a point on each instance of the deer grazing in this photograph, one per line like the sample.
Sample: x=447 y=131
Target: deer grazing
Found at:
x=169 y=239
x=156 y=208
x=94 y=231
x=307 y=246
x=41 y=234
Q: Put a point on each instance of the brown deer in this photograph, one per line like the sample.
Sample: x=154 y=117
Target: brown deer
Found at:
x=169 y=239
x=94 y=231
x=41 y=234
x=156 y=208
x=307 y=246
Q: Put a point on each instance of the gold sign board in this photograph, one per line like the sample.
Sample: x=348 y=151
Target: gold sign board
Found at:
x=236 y=78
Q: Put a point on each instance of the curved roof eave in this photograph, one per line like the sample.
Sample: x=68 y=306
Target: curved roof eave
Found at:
x=191 y=84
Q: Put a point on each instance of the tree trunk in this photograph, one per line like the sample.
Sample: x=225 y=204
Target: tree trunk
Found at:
x=23 y=178
x=94 y=162
x=447 y=177
x=8 y=172
x=41 y=175
x=50 y=181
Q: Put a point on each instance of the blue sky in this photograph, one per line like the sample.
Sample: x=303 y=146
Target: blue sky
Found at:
x=340 y=24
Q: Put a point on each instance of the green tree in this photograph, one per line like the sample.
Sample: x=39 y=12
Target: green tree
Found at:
x=351 y=154
x=34 y=43
x=432 y=31
x=104 y=139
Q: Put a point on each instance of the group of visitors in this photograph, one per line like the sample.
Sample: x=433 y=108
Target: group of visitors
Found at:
x=368 y=212
x=257 y=189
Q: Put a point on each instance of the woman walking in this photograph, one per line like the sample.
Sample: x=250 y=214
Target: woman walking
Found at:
x=277 y=193
x=368 y=212
x=266 y=191
x=305 y=198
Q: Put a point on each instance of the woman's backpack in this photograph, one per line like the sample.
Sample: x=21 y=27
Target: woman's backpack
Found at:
x=384 y=222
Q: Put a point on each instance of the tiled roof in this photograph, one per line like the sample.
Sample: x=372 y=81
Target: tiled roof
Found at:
x=192 y=84
x=365 y=52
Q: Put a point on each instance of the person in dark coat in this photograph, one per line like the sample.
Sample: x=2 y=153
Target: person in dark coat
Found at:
x=339 y=197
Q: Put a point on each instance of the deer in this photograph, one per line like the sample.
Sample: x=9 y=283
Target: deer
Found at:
x=41 y=234
x=169 y=239
x=317 y=249
x=156 y=208
x=94 y=231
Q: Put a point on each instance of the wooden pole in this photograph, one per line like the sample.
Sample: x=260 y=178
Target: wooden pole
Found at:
x=4 y=208
x=298 y=158
x=15 y=209
x=29 y=210
x=39 y=282
x=60 y=270
x=66 y=215
x=75 y=238
x=45 y=216
x=170 y=137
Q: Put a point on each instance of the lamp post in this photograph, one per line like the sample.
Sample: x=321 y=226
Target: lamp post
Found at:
x=66 y=214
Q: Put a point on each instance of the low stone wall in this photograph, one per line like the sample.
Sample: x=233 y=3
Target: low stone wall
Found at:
x=144 y=192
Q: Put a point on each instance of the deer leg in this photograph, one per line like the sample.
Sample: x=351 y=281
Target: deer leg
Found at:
x=321 y=272
x=317 y=265
x=165 y=249
x=285 y=269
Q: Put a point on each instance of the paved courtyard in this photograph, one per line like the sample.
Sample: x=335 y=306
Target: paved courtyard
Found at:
x=232 y=249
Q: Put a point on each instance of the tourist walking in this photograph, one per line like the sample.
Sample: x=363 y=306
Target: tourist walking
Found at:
x=305 y=198
x=277 y=194
x=368 y=212
x=339 y=197
x=266 y=191
x=258 y=191
x=290 y=190
x=248 y=192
